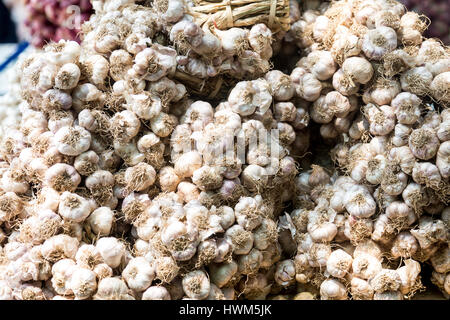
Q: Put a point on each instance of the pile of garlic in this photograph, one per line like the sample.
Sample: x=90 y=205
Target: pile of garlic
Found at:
x=138 y=203
x=157 y=194
x=200 y=52
x=373 y=49
x=10 y=101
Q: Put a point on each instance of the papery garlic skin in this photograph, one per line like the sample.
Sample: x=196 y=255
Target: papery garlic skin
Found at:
x=83 y=283
x=241 y=240
x=339 y=263
x=359 y=202
x=366 y=266
x=255 y=92
x=423 y=143
x=439 y=87
x=358 y=69
x=101 y=220
x=442 y=159
x=323 y=65
x=378 y=42
x=112 y=288
x=361 y=289
x=156 y=159
x=332 y=289
x=187 y=164
x=416 y=80
x=405 y=245
x=67 y=77
x=74 y=208
x=111 y=250
x=196 y=285
x=281 y=85
x=62 y=272
x=177 y=232
x=285 y=272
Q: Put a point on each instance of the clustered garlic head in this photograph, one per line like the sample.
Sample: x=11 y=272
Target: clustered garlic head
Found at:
x=390 y=189
x=110 y=147
x=119 y=183
x=39 y=22
x=140 y=40
x=9 y=102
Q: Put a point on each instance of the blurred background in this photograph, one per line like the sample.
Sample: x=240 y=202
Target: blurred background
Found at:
x=39 y=21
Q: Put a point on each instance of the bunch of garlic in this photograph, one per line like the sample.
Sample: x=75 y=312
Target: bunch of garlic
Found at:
x=156 y=195
x=349 y=241
x=247 y=141
x=10 y=101
x=91 y=155
x=374 y=49
x=198 y=54
x=209 y=250
x=87 y=166
x=57 y=179
x=393 y=143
